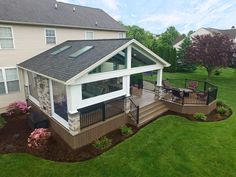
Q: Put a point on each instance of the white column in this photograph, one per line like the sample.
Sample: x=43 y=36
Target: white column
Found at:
x=159 y=77
x=128 y=60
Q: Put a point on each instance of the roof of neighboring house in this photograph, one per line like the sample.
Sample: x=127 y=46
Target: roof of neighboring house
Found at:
x=45 y=12
x=59 y=64
x=63 y=67
x=178 y=39
x=231 y=33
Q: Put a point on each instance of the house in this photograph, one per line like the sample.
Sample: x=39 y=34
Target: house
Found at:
x=231 y=33
x=84 y=86
x=29 y=27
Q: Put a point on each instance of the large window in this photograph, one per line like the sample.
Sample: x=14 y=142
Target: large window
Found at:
x=6 y=38
x=138 y=59
x=60 y=101
x=33 y=89
x=115 y=63
x=89 y=35
x=93 y=89
x=50 y=35
x=9 y=81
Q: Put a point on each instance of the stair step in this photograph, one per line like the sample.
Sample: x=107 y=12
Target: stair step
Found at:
x=152 y=116
x=150 y=111
x=148 y=107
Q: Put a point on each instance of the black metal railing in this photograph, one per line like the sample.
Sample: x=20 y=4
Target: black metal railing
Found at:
x=100 y=112
x=187 y=91
x=134 y=111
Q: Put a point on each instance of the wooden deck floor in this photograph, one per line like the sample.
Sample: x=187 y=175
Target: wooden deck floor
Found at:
x=143 y=97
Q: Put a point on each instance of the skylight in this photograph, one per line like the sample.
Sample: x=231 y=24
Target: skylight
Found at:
x=60 y=50
x=81 y=51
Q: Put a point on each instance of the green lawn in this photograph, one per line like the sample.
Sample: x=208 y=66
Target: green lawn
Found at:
x=170 y=147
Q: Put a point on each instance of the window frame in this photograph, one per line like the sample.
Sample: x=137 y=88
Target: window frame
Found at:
x=121 y=34
x=45 y=36
x=86 y=32
x=13 y=38
x=5 y=80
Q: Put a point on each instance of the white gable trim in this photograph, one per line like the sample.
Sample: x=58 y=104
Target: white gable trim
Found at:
x=133 y=41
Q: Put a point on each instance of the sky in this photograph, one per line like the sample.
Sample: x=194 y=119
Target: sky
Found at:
x=156 y=15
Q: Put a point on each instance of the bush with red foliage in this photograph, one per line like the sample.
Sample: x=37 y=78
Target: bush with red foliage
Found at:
x=16 y=108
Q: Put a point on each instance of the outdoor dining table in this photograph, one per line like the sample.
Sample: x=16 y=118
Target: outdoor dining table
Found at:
x=186 y=91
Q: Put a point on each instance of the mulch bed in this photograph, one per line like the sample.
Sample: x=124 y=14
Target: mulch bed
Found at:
x=14 y=135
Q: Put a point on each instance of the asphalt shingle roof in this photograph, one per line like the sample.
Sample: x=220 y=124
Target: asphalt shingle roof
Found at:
x=231 y=33
x=43 y=12
x=62 y=67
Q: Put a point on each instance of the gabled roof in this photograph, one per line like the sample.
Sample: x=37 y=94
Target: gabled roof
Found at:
x=231 y=33
x=63 y=66
x=178 y=39
x=44 y=12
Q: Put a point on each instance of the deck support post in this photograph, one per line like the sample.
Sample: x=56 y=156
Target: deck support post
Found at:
x=127 y=105
x=74 y=123
x=158 y=87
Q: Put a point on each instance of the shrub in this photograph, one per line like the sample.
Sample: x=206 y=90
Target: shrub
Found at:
x=126 y=131
x=222 y=110
x=220 y=103
x=102 y=143
x=38 y=139
x=16 y=108
x=217 y=72
x=2 y=122
x=200 y=116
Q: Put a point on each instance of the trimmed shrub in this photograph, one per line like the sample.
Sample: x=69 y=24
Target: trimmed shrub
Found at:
x=221 y=110
x=102 y=143
x=2 y=122
x=126 y=131
x=220 y=103
x=200 y=116
x=38 y=139
x=17 y=108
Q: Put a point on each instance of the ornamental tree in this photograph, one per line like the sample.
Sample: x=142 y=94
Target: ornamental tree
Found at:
x=210 y=51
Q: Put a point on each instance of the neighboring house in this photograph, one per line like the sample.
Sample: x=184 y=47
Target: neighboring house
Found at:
x=231 y=33
x=29 y=27
x=84 y=86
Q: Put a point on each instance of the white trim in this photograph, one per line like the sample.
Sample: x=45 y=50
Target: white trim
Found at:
x=41 y=75
x=5 y=79
x=65 y=26
x=87 y=70
x=113 y=74
x=13 y=38
x=86 y=37
x=159 y=77
x=34 y=100
x=45 y=36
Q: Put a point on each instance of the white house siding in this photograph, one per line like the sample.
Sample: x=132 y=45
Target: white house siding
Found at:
x=30 y=40
x=201 y=31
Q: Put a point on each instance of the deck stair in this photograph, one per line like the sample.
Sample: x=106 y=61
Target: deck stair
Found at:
x=150 y=112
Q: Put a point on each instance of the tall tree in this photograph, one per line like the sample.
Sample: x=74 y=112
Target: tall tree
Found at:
x=169 y=36
x=138 y=33
x=183 y=65
x=210 y=51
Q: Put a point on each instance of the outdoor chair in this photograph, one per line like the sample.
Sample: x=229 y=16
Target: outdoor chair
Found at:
x=192 y=85
x=202 y=95
x=177 y=95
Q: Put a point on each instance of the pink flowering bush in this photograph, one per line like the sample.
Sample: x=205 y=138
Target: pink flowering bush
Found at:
x=38 y=139
x=16 y=108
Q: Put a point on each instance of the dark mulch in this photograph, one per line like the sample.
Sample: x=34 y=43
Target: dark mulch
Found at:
x=14 y=135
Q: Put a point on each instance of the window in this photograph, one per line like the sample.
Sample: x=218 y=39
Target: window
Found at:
x=9 y=81
x=33 y=89
x=6 y=38
x=81 y=51
x=138 y=59
x=93 y=89
x=50 y=35
x=60 y=101
x=117 y=62
x=62 y=49
x=89 y=35
x=121 y=35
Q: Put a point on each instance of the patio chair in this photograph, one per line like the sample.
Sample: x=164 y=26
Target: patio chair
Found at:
x=192 y=85
x=177 y=95
x=202 y=95
x=166 y=84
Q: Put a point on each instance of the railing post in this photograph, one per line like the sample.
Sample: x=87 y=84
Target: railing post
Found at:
x=103 y=111
x=137 y=114
x=205 y=86
x=208 y=97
